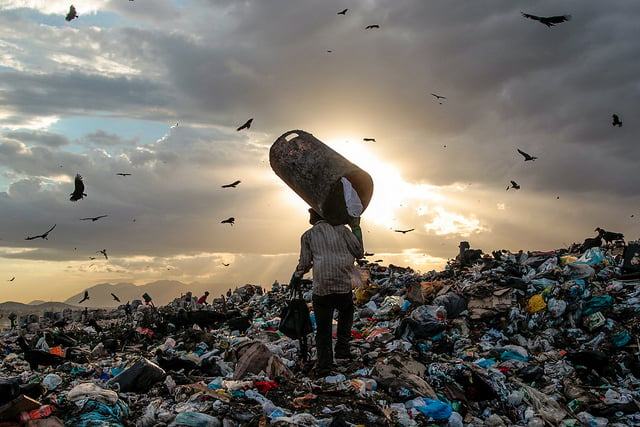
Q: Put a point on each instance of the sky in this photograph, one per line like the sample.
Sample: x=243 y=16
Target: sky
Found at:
x=157 y=88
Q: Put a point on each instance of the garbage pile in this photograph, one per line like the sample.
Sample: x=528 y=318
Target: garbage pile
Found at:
x=501 y=339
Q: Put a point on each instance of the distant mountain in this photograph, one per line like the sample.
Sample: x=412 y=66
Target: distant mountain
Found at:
x=18 y=307
x=162 y=292
x=37 y=301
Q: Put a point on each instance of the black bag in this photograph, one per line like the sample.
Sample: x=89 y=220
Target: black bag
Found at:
x=295 y=321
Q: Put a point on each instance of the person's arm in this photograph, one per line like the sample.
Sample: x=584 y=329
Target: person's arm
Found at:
x=305 y=262
x=354 y=243
x=354 y=224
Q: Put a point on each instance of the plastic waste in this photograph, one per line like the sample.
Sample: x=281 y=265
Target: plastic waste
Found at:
x=36 y=414
x=195 y=419
x=51 y=381
x=138 y=377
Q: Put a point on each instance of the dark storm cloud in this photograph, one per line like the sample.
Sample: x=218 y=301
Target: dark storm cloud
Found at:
x=42 y=138
x=101 y=138
x=71 y=93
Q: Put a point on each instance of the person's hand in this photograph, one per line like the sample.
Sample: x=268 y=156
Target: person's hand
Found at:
x=295 y=281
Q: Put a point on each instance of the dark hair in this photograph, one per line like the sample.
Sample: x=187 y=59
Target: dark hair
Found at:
x=314 y=216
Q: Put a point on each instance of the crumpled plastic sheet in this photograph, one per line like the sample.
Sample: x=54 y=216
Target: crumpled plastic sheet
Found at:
x=98 y=414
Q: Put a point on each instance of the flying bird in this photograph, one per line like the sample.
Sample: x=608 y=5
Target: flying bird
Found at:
x=123 y=174
x=85 y=297
x=526 y=156
x=78 y=191
x=439 y=97
x=616 y=121
x=514 y=185
x=43 y=235
x=369 y=139
x=225 y=264
x=92 y=258
x=404 y=231
x=343 y=12
x=12 y=279
x=368 y=27
x=115 y=297
x=246 y=124
x=230 y=220
x=232 y=185
x=549 y=21
x=93 y=218
x=72 y=14
x=103 y=252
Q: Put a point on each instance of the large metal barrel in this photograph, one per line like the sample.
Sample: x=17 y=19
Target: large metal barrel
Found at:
x=314 y=171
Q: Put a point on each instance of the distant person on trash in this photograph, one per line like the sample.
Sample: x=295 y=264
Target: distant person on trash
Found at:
x=203 y=299
x=331 y=250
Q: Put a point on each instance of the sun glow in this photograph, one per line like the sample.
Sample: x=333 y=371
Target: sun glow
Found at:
x=391 y=192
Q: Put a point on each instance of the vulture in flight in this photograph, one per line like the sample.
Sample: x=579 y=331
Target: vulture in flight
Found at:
x=93 y=218
x=369 y=139
x=78 y=190
x=549 y=21
x=103 y=252
x=616 y=121
x=123 y=174
x=514 y=185
x=526 y=156
x=115 y=297
x=343 y=12
x=43 y=235
x=230 y=221
x=232 y=185
x=439 y=97
x=12 y=279
x=404 y=231
x=246 y=125
x=72 y=14
x=368 y=27
x=85 y=297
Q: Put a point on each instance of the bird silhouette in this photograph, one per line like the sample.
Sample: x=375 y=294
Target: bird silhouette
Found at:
x=225 y=264
x=246 y=125
x=549 y=21
x=85 y=297
x=93 y=218
x=78 y=191
x=526 y=156
x=369 y=139
x=12 y=279
x=404 y=231
x=115 y=297
x=343 y=12
x=103 y=252
x=43 y=235
x=439 y=97
x=232 y=185
x=123 y=174
x=368 y=27
x=72 y=14
x=230 y=220
x=92 y=258
x=616 y=121
x=513 y=185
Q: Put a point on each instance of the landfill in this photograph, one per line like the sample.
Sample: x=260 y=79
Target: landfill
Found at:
x=538 y=338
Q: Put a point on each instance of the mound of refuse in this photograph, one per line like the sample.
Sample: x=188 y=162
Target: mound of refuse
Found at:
x=501 y=339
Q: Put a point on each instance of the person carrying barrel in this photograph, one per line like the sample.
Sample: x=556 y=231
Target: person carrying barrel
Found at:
x=331 y=250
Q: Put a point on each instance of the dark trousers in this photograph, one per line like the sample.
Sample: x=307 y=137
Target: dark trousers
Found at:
x=323 y=308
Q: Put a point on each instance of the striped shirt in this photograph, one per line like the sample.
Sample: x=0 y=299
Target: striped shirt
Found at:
x=331 y=251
